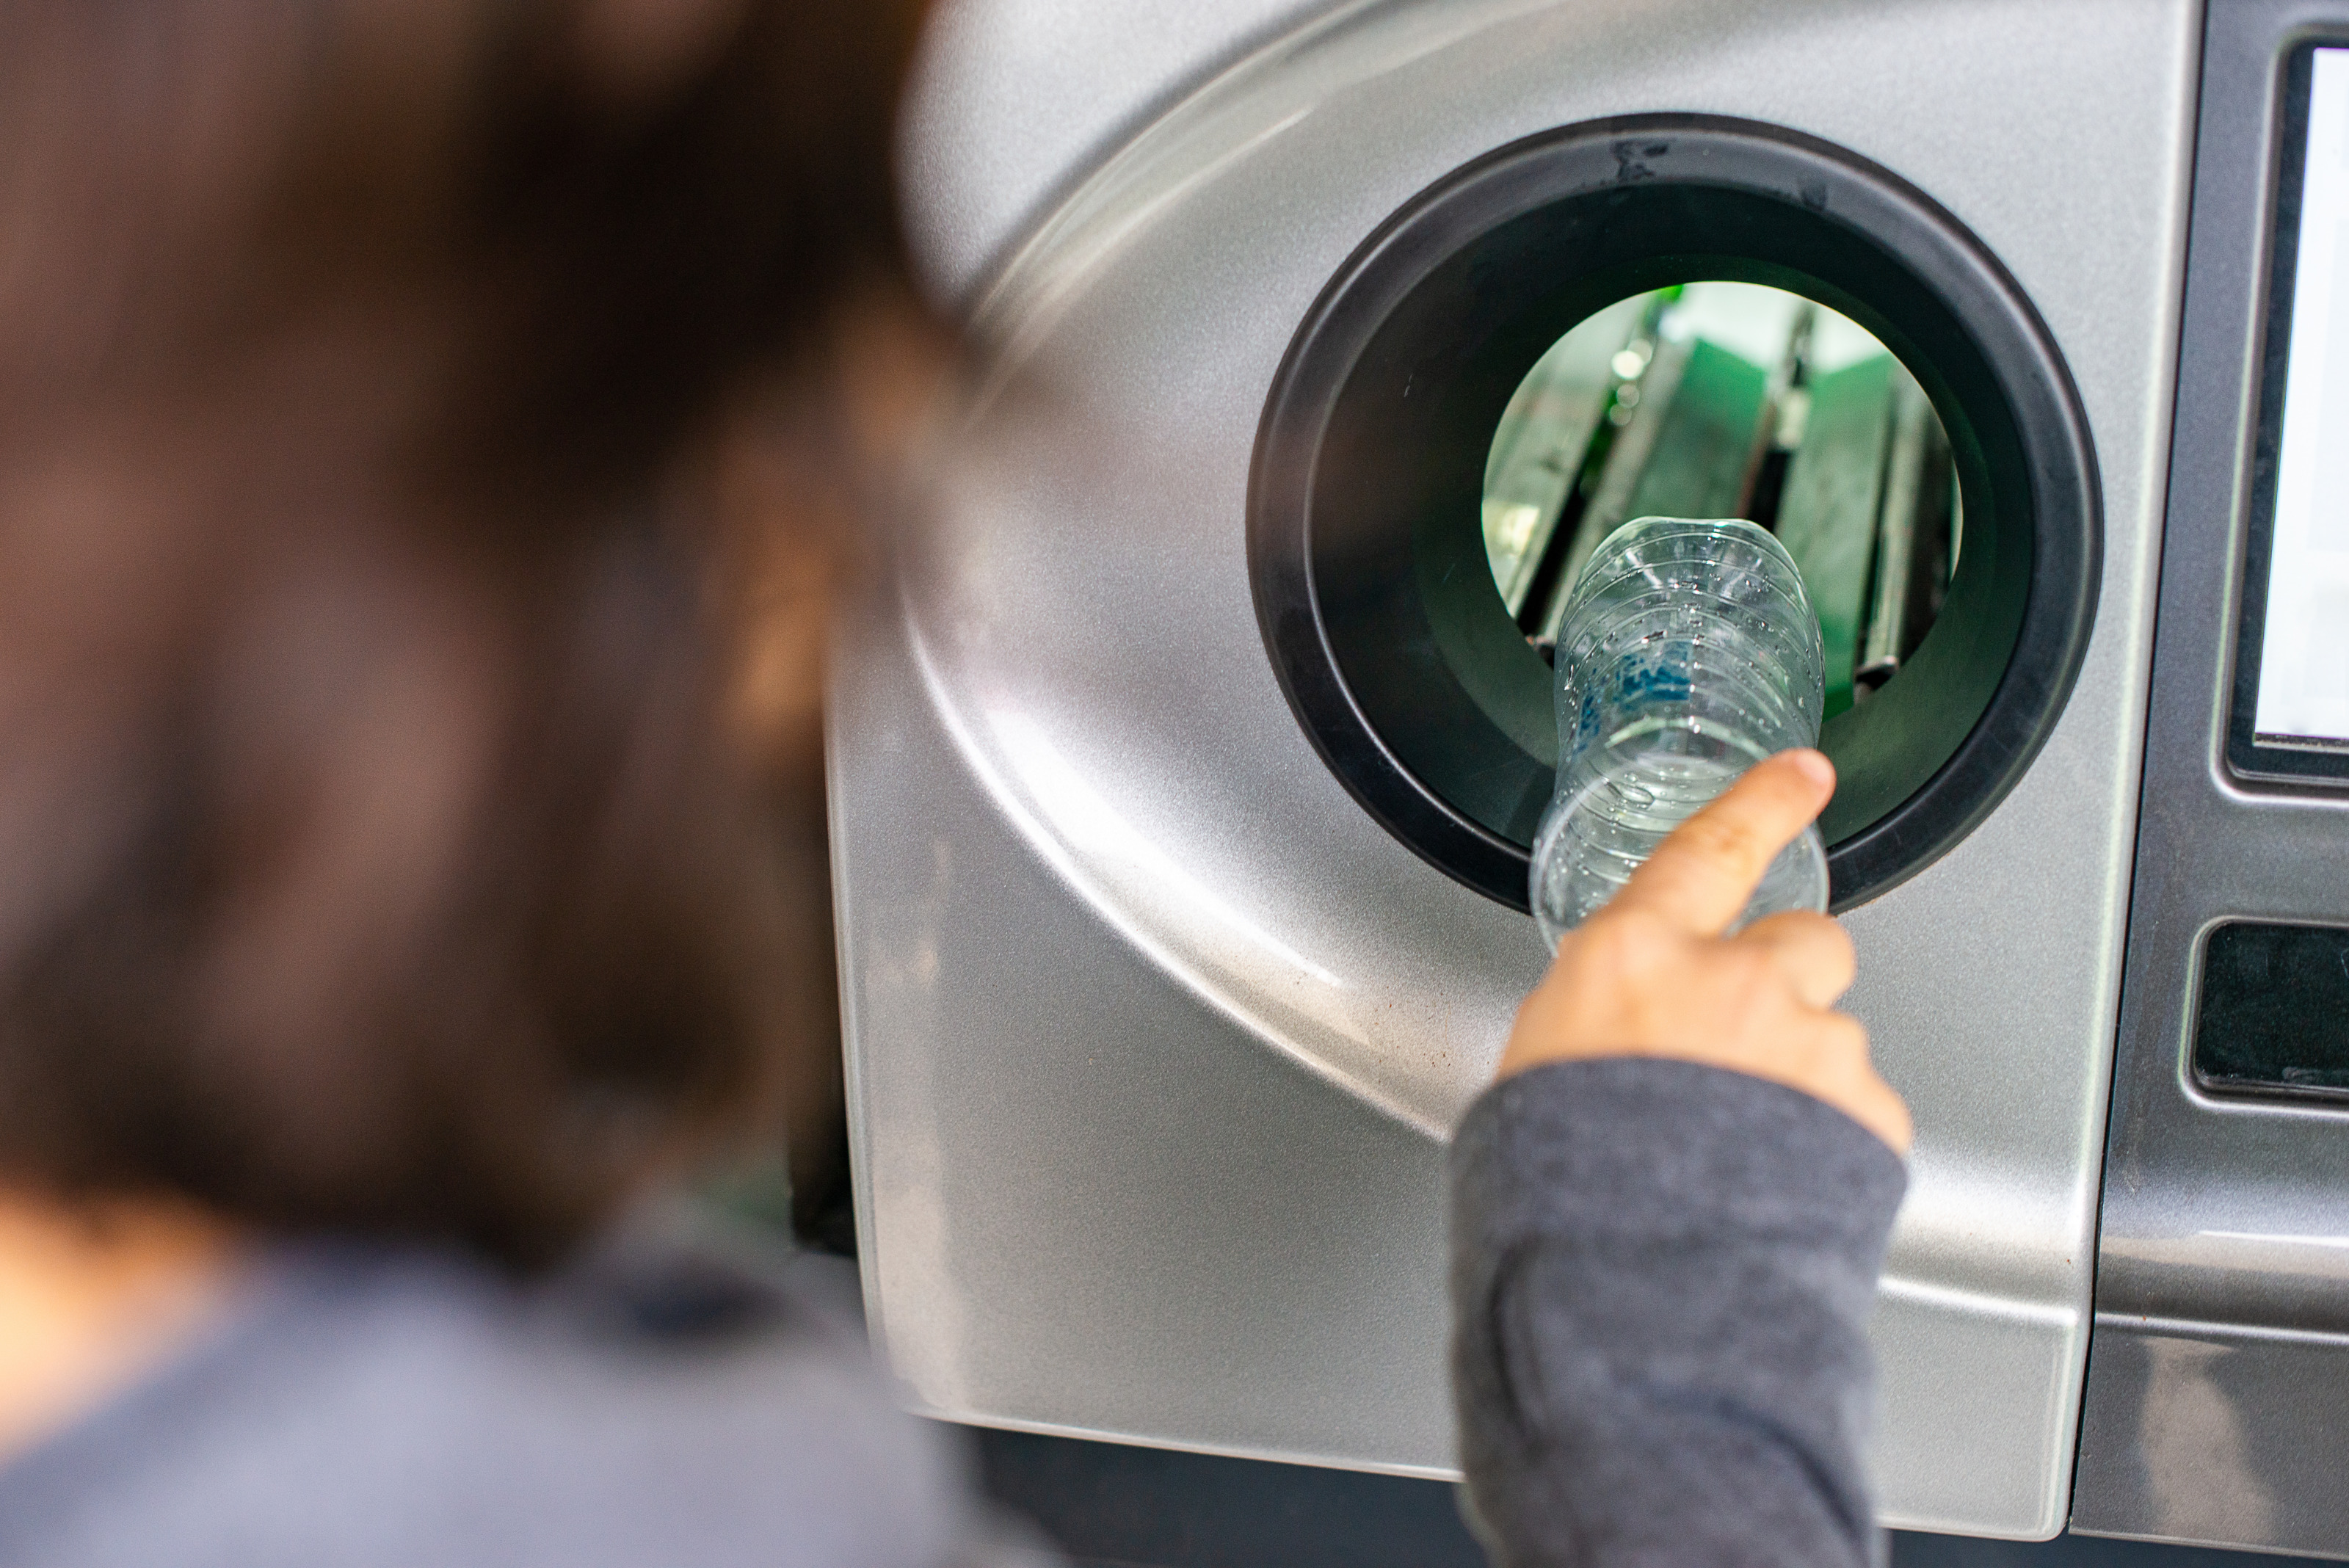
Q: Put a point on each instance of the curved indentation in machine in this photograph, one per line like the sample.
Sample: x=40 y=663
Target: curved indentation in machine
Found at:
x=1368 y=566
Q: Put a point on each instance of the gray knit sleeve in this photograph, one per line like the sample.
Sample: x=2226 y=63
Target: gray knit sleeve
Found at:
x=1660 y=1279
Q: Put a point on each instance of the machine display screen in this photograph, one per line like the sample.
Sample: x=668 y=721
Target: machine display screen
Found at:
x=2294 y=663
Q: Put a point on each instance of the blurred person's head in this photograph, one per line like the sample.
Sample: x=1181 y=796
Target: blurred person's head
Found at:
x=372 y=524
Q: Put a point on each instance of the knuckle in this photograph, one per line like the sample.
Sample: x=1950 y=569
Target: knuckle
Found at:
x=1749 y=969
x=1845 y=1034
x=1830 y=957
x=1627 y=939
x=1822 y=931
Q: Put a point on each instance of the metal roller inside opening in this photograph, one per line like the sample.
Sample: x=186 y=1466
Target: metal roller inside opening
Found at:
x=1717 y=398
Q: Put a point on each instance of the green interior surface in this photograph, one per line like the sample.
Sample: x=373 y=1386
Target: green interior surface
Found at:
x=1827 y=516
x=1707 y=440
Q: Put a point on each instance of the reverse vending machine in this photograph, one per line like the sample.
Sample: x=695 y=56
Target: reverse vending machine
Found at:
x=1185 y=763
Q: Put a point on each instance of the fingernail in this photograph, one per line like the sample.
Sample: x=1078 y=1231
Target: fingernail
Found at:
x=1816 y=767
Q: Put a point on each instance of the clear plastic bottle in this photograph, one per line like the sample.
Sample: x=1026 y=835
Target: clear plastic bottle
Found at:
x=1687 y=653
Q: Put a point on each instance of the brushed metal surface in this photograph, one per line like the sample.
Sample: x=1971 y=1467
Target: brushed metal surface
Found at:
x=2223 y=1224
x=1013 y=100
x=2216 y=1435
x=1155 y=1037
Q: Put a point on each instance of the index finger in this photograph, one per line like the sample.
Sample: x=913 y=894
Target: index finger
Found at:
x=1701 y=877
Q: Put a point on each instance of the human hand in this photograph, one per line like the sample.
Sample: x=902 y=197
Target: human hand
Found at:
x=1652 y=975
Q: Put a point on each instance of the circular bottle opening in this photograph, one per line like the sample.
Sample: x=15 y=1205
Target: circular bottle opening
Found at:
x=1392 y=526
x=1717 y=398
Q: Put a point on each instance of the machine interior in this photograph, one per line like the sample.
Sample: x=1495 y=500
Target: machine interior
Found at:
x=1720 y=399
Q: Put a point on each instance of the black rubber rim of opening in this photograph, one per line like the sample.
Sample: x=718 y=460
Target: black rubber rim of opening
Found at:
x=1364 y=545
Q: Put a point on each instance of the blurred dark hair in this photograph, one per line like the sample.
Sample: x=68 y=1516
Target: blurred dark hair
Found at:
x=370 y=856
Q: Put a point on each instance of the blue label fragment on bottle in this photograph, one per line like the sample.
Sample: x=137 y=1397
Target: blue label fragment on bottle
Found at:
x=1653 y=675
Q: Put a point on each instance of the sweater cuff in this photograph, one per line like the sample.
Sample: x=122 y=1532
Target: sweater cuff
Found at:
x=1651 y=1149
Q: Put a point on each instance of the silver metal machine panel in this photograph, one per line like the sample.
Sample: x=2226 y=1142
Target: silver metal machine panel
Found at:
x=2217 y=1398
x=1155 y=1037
x=1011 y=99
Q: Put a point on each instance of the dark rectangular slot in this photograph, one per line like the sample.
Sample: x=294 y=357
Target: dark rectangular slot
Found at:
x=2274 y=1011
